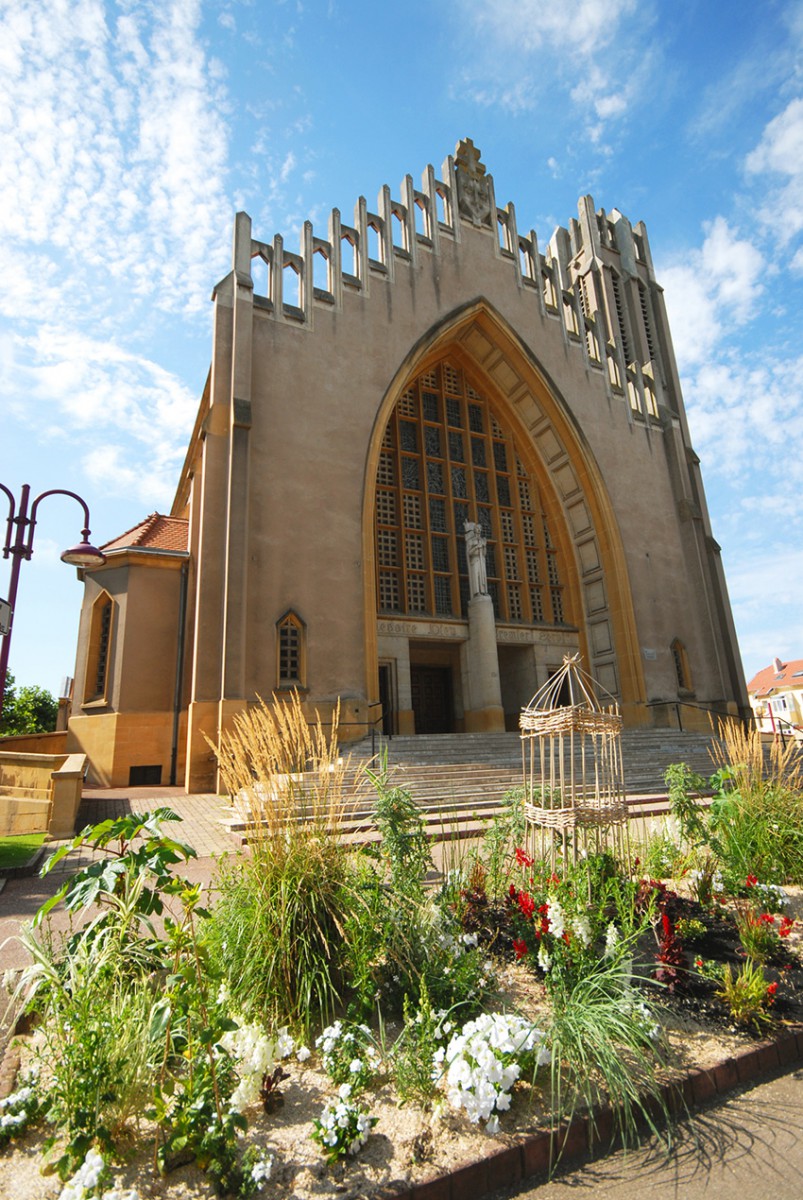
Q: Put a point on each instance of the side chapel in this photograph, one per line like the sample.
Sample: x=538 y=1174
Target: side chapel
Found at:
x=430 y=460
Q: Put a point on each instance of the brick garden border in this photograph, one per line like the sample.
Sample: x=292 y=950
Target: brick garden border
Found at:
x=589 y=1137
x=586 y=1138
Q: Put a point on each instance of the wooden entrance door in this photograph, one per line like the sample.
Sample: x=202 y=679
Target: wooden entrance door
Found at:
x=432 y=698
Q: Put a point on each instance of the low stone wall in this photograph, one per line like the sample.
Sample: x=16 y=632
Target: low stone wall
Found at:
x=35 y=743
x=40 y=793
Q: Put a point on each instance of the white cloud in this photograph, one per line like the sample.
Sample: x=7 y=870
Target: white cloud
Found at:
x=780 y=154
x=102 y=397
x=710 y=290
x=765 y=586
x=112 y=150
x=587 y=48
x=583 y=28
x=747 y=423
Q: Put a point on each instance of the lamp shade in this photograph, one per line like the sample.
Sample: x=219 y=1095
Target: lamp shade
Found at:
x=83 y=555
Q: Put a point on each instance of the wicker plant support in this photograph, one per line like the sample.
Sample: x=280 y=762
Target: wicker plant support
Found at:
x=573 y=775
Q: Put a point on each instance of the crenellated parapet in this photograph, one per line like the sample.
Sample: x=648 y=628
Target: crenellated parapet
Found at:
x=594 y=278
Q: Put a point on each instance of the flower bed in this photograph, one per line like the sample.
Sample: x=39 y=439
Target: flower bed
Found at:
x=334 y=1017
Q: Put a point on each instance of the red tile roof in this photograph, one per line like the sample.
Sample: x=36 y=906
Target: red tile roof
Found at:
x=154 y=533
x=771 y=679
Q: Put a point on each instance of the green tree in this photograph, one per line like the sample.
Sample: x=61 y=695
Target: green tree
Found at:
x=27 y=709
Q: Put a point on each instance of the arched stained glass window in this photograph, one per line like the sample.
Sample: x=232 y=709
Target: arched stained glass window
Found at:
x=447 y=457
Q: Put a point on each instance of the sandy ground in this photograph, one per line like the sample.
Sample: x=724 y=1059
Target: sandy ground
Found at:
x=407 y=1144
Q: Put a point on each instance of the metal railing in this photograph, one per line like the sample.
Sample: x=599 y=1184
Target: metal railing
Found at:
x=361 y=724
x=782 y=728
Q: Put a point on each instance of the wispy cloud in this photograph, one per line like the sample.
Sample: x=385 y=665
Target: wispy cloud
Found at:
x=122 y=409
x=778 y=160
x=711 y=289
x=112 y=150
x=519 y=47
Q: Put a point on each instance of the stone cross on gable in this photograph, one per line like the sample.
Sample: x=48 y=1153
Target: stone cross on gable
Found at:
x=467 y=157
x=473 y=184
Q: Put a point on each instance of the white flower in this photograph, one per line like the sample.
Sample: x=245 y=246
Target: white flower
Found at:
x=557 y=920
x=303 y=1053
x=544 y=958
x=344 y=1091
x=582 y=930
x=260 y=1172
x=612 y=939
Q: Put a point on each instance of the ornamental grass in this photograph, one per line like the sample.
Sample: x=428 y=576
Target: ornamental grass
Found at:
x=277 y=925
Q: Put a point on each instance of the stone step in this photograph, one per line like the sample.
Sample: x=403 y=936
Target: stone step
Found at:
x=460 y=780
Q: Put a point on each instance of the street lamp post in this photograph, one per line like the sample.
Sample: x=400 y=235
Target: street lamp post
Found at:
x=19 y=546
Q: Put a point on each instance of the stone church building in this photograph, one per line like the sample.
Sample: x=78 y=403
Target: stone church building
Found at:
x=431 y=459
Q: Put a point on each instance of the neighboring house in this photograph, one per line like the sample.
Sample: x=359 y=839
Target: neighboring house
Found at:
x=776 y=697
x=431 y=459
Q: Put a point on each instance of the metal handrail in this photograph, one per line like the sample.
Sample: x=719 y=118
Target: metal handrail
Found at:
x=373 y=724
x=744 y=718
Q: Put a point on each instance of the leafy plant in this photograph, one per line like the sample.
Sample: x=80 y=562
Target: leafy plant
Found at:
x=689 y=929
x=506 y=831
x=755 y=821
x=746 y=994
x=414 y=1051
x=342 y=1128
x=349 y=1055
x=663 y=856
x=759 y=932
x=405 y=845
x=101 y=1038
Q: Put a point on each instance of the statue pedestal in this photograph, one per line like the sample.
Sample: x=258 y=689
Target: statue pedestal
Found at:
x=485 y=712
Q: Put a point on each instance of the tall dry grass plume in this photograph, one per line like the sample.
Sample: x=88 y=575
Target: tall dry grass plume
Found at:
x=282 y=771
x=754 y=763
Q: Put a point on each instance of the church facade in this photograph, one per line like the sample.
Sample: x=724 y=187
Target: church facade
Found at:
x=430 y=460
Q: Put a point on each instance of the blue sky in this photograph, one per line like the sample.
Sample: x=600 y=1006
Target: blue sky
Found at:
x=131 y=132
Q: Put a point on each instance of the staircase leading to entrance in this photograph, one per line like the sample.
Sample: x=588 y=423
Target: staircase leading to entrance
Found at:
x=460 y=780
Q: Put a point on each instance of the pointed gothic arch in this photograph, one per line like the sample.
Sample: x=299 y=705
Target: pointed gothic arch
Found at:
x=476 y=340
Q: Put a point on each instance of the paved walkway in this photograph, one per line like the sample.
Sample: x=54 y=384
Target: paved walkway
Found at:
x=748 y=1147
x=200 y=827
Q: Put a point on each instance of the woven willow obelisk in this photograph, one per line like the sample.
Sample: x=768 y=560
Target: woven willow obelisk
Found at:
x=575 y=800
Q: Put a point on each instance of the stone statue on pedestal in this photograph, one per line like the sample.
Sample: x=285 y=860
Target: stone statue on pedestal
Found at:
x=475 y=552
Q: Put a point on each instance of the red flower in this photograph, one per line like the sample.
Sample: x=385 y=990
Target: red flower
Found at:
x=752 y=880
x=522 y=858
x=519 y=947
x=786 y=927
x=526 y=905
x=768 y=918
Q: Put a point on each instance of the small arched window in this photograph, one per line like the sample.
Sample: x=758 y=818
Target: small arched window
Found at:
x=680 y=660
x=99 y=652
x=291 y=651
